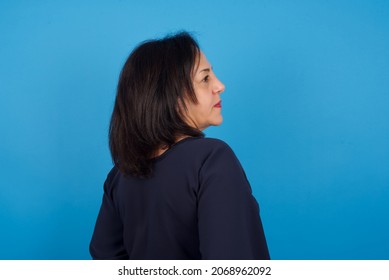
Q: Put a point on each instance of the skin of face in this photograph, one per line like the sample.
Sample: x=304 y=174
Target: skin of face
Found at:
x=207 y=88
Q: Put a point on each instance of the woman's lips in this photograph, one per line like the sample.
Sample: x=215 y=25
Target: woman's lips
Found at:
x=218 y=105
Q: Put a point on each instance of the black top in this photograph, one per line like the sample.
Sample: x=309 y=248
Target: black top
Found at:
x=197 y=205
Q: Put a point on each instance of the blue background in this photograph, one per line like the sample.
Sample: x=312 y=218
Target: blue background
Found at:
x=305 y=109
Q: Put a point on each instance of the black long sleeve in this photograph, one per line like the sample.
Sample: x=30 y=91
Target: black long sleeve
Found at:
x=229 y=223
x=107 y=241
x=197 y=205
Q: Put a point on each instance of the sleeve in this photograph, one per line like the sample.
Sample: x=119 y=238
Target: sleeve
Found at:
x=107 y=239
x=228 y=215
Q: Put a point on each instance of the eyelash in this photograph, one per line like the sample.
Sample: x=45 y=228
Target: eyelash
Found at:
x=206 y=79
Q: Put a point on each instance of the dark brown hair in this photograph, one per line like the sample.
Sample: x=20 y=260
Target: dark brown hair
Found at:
x=148 y=111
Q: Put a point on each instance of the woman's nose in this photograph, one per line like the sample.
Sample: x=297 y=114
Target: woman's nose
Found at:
x=219 y=87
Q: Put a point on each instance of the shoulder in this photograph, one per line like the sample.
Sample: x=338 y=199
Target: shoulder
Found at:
x=196 y=152
x=214 y=152
x=221 y=168
x=218 y=147
x=209 y=145
x=211 y=141
x=214 y=142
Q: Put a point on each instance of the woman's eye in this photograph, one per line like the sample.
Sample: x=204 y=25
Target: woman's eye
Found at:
x=206 y=79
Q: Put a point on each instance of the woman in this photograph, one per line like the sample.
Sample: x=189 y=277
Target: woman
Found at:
x=172 y=193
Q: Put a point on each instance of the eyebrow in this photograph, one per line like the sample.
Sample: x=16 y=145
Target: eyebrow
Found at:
x=206 y=69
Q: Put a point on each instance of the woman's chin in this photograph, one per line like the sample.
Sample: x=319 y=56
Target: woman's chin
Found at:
x=217 y=122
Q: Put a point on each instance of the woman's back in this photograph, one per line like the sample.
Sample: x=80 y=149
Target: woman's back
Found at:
x=197 y=205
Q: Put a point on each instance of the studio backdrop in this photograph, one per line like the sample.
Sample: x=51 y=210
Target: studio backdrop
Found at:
x=305 y=109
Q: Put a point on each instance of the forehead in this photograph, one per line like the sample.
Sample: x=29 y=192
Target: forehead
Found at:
x=202 y=63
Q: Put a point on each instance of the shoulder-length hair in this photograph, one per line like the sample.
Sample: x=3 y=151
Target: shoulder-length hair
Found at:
x=149 y=108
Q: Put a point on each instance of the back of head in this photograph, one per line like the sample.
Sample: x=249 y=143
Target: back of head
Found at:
x=148 y=110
